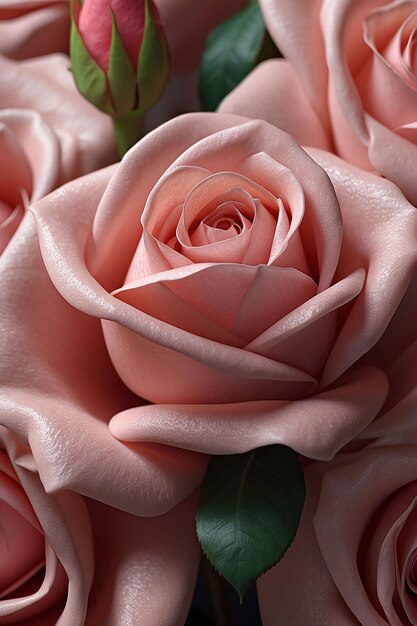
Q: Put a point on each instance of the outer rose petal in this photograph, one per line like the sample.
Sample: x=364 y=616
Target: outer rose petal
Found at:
x=45 y=84
x=273 y=92
x=356 y=190
x=294 y=25
x=142 y=575
x=63 y=519
x=48 y=129
x=242 y=426
x=59 y=390
x=345 y=553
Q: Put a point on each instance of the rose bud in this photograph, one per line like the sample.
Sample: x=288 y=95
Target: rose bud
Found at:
x=120 y=59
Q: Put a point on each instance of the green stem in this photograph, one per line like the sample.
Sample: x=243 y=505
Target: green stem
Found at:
x=128 y=129
x=216 y=594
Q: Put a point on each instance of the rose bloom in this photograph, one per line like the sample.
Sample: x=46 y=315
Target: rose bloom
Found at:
x=69 y=560
x=351 y=70
x=355 y=553
x=237 y=281
x=49 y=135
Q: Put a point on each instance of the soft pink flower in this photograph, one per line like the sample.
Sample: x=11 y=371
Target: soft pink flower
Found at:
x=244 y=284
x=354 y=559
x=69 y=560
x=350 y=76
x=48 y=135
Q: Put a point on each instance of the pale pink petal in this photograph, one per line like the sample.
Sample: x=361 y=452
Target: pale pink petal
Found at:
x=55 y=405
x=393 y=156
x=157 y=297
x=273 y=92
x=68 y=545
x=295 y=28
x=342 y=24
x=287 y=248
x=317 y=307
x=322 y=225
x=399 y=104
x=142 y=575
x=273 y=294
x=40 y=147
x=303 y=572
x=238 y=427
x=339 y=534
x=369 y=204
x=45 y=84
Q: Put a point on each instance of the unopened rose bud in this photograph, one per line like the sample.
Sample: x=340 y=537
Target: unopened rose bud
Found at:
x=119 y=55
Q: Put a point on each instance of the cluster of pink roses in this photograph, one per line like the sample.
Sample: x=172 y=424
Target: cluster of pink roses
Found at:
x=219 y=290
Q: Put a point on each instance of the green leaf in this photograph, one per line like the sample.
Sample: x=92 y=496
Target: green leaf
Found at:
x=230 y=54
x=88 y=75
x=249 y=510
x=154 y=62
x=121 y=75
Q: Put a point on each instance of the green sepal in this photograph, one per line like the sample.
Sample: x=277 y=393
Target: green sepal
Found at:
x=230 y=53
x=154 y=63
x=121 y=75
x=249 y=510
x=89 y=77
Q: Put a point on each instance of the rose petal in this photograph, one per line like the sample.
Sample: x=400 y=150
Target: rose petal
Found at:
x=273 y=92
x=295 y=28
x=63 y=396
x=239 y=427
x=142 y=576
x=369 y=204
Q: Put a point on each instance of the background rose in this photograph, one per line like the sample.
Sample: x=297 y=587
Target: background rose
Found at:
x=171 y=344
x=46 y=541
x=30 y=28
x=49 y=135
x=69 y=560
x=351 y=68
x=354 y=557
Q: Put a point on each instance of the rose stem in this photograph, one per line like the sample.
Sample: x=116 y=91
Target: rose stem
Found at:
x=216 y=594
x=128 y=129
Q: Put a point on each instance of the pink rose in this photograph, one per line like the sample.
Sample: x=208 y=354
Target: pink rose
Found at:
x=49 y=135
x=30 y=28
x=69 y=560
x=244 y=284
x=354 y=559
x=350 y=79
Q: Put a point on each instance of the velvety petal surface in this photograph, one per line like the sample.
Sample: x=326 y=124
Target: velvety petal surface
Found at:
x=142 y=575
x=59 y=390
